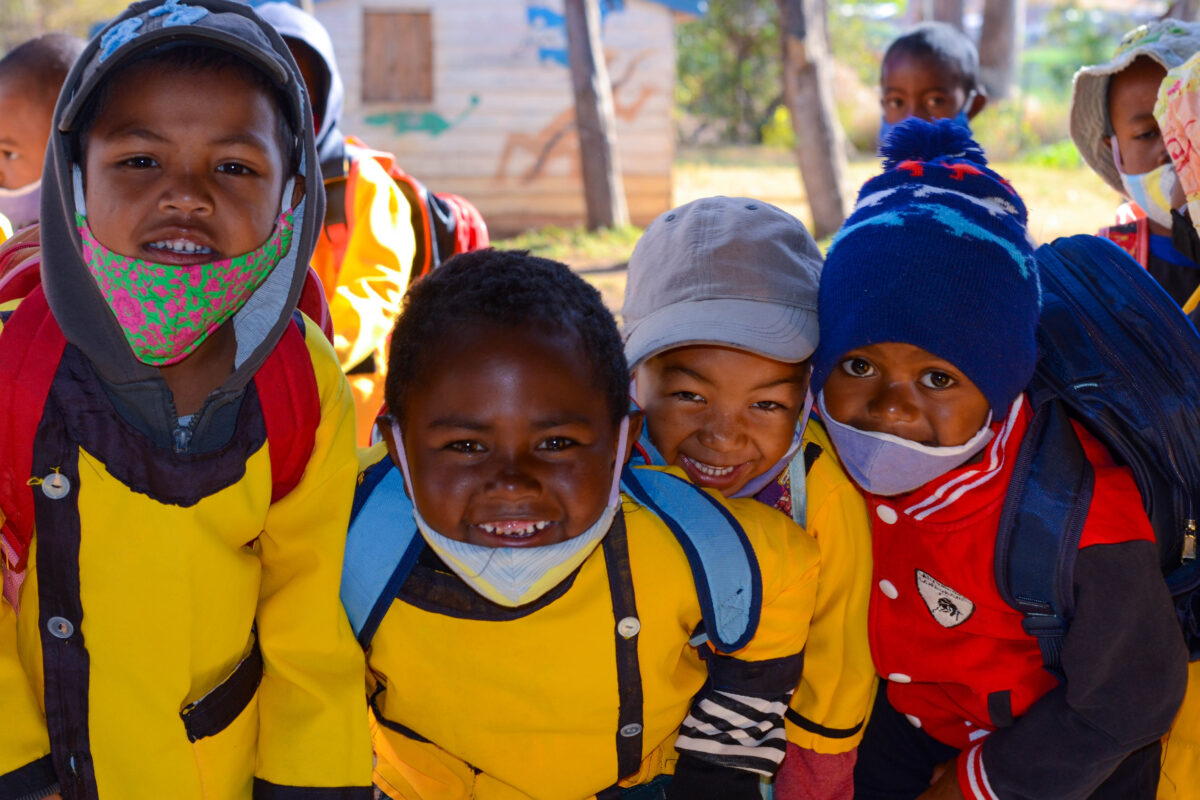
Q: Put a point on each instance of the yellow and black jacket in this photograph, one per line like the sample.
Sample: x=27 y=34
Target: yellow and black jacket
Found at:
x=593 y=687
x=160 y=570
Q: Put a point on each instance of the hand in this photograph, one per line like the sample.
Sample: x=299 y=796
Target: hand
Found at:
x=944 y=785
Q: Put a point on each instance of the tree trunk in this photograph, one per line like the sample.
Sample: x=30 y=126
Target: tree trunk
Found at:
x=949 y=11
x=1183 y=10
x=1000 y=45
x=595 y=120
x=808 y=91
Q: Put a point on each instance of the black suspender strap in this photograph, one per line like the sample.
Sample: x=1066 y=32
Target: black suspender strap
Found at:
x=625 y=633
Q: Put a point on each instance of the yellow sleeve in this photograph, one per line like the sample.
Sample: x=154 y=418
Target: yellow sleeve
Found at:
x=830 y=705
x=25 y=767
x=312 y=711
x=790 y=563
x=377 y=266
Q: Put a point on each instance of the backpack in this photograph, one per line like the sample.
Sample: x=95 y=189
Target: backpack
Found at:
x=1116 y=354
x=31 y=346
x=444 y=224
x=728 y=581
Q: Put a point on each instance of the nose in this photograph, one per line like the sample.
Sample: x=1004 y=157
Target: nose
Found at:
x=512 y=478
x=187 y=194
x=894 y=404
x=721 y=430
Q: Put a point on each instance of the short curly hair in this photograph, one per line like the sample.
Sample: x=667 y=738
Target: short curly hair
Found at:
x=503 y=287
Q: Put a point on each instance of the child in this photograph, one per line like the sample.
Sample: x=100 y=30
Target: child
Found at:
x=720 y=320
x=1113 y=126
x=543 y=636
x=931 y=71
x=30 y=78
x=929 y=303
x=179 y=633
x=382 y=228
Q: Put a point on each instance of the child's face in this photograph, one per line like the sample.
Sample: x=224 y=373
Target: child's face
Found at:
x=905 y=391
x=183 y=169
x=24 y=129
x=724 y=415
x=510 y=442
x=1132 y=93
x=923 y=87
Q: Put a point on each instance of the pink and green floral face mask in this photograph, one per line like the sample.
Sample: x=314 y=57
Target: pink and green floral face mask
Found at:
x=167 y=311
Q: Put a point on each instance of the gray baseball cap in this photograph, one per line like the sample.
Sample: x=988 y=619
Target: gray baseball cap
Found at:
x=1168 y=42
x=725 y=271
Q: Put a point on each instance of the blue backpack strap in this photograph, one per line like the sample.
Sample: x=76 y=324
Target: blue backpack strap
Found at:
x=728 y=581
x=381 y=548
x=1040 y=529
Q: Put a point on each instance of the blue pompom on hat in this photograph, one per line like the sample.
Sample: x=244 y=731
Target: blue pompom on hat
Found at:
x=936 y=254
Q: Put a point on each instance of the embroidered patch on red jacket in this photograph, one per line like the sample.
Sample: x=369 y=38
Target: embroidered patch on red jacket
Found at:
x=949 y=608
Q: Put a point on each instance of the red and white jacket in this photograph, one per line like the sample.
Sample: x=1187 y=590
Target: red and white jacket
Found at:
x=958 y=662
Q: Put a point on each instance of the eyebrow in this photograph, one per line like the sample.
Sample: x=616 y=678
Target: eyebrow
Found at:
x=464 y=423
x=685 y=371
x=151 y=136
x=771 y=384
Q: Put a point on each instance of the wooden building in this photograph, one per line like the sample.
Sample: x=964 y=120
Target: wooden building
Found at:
x=474 y=97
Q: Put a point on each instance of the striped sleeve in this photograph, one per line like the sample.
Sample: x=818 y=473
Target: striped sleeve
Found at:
x=972 y=777
x=735 y=730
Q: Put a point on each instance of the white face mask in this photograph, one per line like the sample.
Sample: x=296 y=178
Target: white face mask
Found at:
x=1157 y=192
x=514 y=576
x=886 y=465
x=22 y=206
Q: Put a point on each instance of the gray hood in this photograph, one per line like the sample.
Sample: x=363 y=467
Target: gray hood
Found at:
x=292 y=23
x=86 y=321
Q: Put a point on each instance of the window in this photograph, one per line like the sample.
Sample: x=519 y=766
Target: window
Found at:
x=397 y=57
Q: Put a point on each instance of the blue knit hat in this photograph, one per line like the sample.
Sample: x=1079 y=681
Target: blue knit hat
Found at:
x=936 y=254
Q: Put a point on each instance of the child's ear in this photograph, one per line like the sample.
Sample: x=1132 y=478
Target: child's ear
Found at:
x=636 y=419
x=297 y=191
x=977 y=104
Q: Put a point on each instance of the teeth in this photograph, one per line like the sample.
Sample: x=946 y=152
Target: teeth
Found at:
x=180 y=246
x=516 y=528
x=711 y=471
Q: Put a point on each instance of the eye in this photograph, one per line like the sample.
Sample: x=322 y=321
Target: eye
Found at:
x=858 y=367
x=556 y=444
x=467 y=446
x=688 y=397
x=892 y=103
x=10 y=155
x=139 y=162
x=769 y=405
x=234 y=168
x=1147 y=135
x=937 y=380
x=936 y=101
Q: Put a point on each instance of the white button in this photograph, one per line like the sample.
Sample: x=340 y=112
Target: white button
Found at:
x=629 y=627
x=60 y=627
x=56 y=485
x=889 y=589
x=914 y=721
x=887 y=514
x=630 y=730
x=899 y=677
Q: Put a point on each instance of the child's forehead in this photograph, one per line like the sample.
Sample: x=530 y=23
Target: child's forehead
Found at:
x=931 y=69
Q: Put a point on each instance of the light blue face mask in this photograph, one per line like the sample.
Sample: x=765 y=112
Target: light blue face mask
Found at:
x=959 y=119
x=887 y=465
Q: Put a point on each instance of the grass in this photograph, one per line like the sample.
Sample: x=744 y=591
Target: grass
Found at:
x=1062 y=196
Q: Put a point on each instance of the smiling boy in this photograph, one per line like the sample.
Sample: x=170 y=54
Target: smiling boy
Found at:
x=720 y=321
x=175 y=513
x=535 y=631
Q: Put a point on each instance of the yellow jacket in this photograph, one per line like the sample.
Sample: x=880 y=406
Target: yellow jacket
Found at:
x=1180 y=779
x=365 y=264
x=525 y=704
x=830 y=707
x=169 y=590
